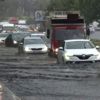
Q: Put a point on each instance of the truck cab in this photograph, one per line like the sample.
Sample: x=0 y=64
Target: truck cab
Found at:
x=62 y=28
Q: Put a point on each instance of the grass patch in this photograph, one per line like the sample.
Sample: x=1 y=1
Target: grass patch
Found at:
x=96 y=42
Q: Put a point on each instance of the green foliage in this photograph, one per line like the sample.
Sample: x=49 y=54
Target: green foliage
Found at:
x=30 y=21
x=96 y=42
x=88 y=8
x=18 y=8
x=61 y=5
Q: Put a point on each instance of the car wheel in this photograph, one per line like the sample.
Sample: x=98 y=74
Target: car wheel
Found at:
x=49 y=53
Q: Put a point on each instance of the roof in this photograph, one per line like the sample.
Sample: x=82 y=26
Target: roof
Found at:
x=31 y=37
x=71 y=40
x=37 y=34
x=6 y=24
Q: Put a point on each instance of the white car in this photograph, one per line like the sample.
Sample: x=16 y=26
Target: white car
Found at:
x=34 y=45
x=78 y=50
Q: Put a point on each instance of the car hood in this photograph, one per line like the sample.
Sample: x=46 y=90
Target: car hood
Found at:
x=82 y=51
x=2 y=38
x=35 y=45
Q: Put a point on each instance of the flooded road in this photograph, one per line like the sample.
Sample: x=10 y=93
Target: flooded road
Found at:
x=39 y=77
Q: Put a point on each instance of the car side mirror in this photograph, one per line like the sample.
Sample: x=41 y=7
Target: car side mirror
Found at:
x=60 y=48
x=97 y=47
x=20 y=43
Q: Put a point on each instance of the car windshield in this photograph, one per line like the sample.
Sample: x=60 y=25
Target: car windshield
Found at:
x=63 y=34
x=33 y=41
x=4 y=35
x=79 y=45
x=19 y=36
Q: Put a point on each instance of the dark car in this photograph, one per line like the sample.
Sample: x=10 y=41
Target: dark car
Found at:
x=13 y=39
x=3 y=36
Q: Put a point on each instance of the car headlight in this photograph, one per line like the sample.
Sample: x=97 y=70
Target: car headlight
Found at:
x=45 y=48
x=26 y=49
x=56 y=50
x=15 y=42
x=67 y=56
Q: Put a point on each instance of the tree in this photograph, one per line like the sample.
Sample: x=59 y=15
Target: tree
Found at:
x=19 y=8
x=88 y=8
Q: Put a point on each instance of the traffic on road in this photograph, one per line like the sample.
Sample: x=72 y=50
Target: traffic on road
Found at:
x=60 y=63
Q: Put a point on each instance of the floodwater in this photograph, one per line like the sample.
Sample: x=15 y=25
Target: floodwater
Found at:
x=39 y=77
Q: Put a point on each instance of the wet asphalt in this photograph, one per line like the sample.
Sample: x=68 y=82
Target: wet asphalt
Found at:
x=39 y=77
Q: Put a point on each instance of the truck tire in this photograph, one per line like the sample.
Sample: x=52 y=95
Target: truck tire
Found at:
x=50 y=53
